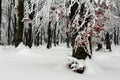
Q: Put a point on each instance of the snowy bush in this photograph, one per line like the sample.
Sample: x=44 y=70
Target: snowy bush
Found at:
x=76 y=65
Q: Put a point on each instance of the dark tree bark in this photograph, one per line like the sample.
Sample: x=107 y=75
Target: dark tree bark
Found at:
x=37 y=39
x=14 y=29
x=14 y=22
x=73 y=38
x=115 y=38
x=0 y=18
x=41 y=36
x=29 y=37
x=55 y=33
x=117 y=41
x=90 y=44
x=68 y=40
x=80 y=52
x=68 y=37
x=49 y=35
x=73 y=11
x=57 y=40
x=19 y=33
x=61 y=38
x=108 y=44
x=99 y=46
x=0 y=11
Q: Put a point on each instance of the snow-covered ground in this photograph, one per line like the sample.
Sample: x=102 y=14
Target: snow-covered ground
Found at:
x=40 y=63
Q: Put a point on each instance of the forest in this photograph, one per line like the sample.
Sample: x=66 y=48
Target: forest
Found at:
x=83 y=27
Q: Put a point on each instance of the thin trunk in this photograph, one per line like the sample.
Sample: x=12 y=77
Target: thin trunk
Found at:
x=68 y=38
x=29 y=39
x=0 y=18
x=115 y=36
x=108 y=44
x=37 y=39
x=90 y=44
x=44 y=36
x=15 y=25
x=55 y=34
x=61 y=38
x=57 y=40
x=41 y=36
x=49 y=36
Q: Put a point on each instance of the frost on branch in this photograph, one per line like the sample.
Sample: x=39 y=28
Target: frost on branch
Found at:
x=88 y=22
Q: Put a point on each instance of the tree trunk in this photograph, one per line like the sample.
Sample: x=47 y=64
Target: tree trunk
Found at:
x=117 y=42
x=0 y=18
x=41 y=36
x=90 y=44
x=80 y=53
x=68 y=39
x=49 y=35
x=14 y=28
x=9 y=24
x=29 y=36
x=99 y=46
x=61 y=38
x=20 y=23
x=115 y=38
x=37 y=39
x=108 y=44
x=57 y=40
x=44 y=36
x=55 y=34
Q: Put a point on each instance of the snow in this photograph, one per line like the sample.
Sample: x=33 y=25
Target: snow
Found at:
x=40 y=63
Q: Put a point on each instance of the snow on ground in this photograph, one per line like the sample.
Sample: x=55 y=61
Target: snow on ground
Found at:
x=40 y=63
